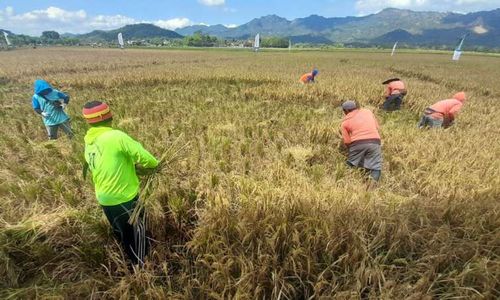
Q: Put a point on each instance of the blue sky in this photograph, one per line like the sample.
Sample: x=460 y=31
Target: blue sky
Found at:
x=34 y=16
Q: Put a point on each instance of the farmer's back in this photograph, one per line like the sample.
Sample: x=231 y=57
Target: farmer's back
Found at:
x=111 y=155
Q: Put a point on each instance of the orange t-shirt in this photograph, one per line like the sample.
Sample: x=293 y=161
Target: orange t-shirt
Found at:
x=359 y=125
x=306 y=78
x=394 y=88
x=446 y=109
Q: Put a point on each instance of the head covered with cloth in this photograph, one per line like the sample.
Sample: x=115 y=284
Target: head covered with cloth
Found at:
x=349 y=106
x=50 y=103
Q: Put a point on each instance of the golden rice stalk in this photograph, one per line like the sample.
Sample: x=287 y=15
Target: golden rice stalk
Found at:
x=146 y=203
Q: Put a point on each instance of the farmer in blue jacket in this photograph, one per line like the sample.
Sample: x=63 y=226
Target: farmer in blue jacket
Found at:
x=50 y=104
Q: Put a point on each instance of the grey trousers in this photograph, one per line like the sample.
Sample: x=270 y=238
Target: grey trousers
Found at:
x=368 y=156
x=52 y=130
x=426 y=120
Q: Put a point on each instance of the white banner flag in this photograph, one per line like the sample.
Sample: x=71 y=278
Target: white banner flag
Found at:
x=5 y=34
x=394 y=48
x=256 y=44
x=120 y=40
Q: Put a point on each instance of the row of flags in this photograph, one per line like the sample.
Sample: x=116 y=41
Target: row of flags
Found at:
x=456 y=54
x=256 y=46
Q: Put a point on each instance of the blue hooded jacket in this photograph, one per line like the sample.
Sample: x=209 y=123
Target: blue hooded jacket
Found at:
x=48 y=100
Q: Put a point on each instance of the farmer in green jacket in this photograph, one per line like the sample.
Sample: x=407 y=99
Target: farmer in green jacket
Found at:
x=111 y=156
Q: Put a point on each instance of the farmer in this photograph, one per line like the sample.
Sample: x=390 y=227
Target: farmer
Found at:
x=394 y=94
x=50 y=104
x=360 y=135
x=309 y=77
x=111 y=156
x=442 y=113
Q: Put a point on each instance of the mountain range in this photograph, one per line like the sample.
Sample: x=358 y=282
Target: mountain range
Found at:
x=386 y=27
x=410 y=28
x=134 y=31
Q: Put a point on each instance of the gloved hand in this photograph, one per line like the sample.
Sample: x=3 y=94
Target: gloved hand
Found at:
x=44 y=114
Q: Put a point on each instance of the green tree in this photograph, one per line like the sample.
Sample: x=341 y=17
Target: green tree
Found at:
x=274 y=42
x=199 y=39
x=70 y=41
x=51 y=35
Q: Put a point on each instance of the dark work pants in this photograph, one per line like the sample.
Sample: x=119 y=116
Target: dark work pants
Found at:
x=427 y=121
x=393 y=102
x=131 y=237
x=53 y=129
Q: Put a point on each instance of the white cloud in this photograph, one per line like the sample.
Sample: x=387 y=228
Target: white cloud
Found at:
x=50 y=14
x=231 y=25
x=173 y=24
x=372 y=6
x=212 y=2
x=54 y=18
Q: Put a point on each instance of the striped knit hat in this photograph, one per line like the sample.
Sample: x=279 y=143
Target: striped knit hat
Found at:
x=96 y=111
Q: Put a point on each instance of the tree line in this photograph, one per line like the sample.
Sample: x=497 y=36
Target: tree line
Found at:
x=198 y=39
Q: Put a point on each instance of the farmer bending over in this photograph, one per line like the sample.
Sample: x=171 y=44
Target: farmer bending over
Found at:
x=360 y=135
x=394 y=94
x=442 y=113
x=111 y=156
x=50 y=104
x=309 y=77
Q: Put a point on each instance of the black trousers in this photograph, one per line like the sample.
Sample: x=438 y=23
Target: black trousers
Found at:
x=393 y=102
x=131 y=237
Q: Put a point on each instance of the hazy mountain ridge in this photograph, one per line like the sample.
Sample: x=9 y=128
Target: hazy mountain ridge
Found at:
x=408 y=27
x=422 y=28
x=134 y=31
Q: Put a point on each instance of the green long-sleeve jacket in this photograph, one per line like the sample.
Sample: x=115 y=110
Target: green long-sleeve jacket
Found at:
x=111 y=155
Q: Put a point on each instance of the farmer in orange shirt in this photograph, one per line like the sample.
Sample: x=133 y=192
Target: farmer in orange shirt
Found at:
x=309 y=77
x=442 y=113
x=360 y=134
x=394 y=94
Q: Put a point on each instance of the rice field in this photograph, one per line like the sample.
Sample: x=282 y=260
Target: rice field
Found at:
x=255 y=201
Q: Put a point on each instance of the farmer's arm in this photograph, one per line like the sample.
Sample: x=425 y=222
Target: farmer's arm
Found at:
x=454 y=111
x=63 y=96
x=139 y=155
x=345 y=134
x=387 y=91
x=36 y=105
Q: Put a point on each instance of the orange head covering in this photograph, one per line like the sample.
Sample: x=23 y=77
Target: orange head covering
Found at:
x=460 y=96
